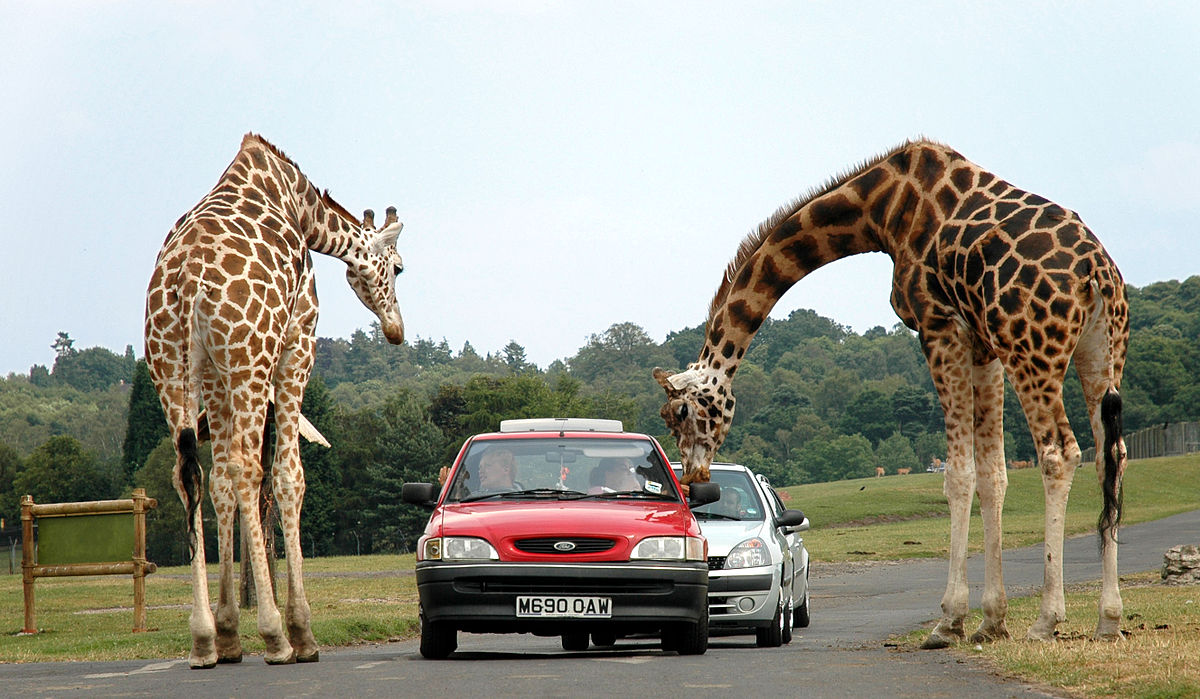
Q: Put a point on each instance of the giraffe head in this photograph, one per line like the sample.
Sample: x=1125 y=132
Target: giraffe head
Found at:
x=698 y=411
x=373 y=274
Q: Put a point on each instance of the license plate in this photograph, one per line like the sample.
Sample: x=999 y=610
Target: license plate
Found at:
x=564 y=607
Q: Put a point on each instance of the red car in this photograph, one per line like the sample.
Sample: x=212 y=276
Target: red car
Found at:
x=562 y=527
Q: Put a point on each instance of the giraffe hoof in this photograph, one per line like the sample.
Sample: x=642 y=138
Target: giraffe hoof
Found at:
x=315 y=657
x=987 y=636
x=202 y=663
x=290 y=659
x=229 y=659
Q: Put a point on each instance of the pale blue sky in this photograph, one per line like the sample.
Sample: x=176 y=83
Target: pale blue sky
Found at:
x=563 y=166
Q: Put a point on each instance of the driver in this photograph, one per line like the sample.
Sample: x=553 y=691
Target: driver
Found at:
x=614 y=475
x=497 y=471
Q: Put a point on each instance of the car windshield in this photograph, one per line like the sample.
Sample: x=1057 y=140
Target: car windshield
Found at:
x=561 y=468
x=739 y=499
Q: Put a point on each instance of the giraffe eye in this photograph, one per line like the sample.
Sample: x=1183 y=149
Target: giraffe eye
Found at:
x=682 y=411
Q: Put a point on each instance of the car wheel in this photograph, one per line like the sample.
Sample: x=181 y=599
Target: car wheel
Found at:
x=800 y=615
x=605 y=639
x=687 y=638
x=575 y=640
x=772 y=636
x=787 y=623
x=438 y=640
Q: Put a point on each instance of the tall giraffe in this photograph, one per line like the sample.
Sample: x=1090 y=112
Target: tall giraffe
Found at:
x=231 y=313
x=995 y=281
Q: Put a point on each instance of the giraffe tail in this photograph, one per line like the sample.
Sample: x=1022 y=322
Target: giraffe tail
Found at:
x=1114 y=465
x=191 y=477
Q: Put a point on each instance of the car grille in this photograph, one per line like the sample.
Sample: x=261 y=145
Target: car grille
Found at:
x=546 y=545
x=716 y=562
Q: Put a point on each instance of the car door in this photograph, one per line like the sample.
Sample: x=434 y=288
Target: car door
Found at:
x=789 y=540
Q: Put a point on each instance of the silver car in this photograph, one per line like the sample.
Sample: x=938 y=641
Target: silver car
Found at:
x=757 y=563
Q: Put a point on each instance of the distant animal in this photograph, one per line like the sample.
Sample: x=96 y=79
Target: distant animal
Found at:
x=995 y=281
x=878 y=471
x=1021 y=464
x=903 y=471
x=231 y=315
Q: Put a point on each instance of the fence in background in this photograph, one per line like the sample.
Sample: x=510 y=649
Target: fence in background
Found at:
x=1169 y=439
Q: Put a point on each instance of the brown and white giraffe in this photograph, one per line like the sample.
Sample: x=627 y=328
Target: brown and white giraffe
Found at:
x=995 y=281
x=231 y=313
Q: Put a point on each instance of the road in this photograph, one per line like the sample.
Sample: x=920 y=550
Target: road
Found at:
x=855 y=608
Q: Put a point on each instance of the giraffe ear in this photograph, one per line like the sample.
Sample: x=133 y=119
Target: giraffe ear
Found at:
x=368 y=220
x=386 y=238
x=662 y=376
x=682 y=380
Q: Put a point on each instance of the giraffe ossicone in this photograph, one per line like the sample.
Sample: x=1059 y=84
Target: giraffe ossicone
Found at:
x=996 y=282
x=231 y=315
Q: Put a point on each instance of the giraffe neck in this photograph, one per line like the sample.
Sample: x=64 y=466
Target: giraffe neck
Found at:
x=325 y=225
x=884 y=206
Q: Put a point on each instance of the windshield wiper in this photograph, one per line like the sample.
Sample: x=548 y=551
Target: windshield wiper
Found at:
x=532 y=492
x=715 y=515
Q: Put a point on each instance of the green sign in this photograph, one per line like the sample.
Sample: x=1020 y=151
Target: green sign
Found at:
x=98 y=538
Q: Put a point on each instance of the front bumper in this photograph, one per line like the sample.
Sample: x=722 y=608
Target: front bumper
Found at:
x=743 y=597
x=481 y=597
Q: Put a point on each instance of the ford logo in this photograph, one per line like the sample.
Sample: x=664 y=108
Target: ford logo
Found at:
x=564 y=546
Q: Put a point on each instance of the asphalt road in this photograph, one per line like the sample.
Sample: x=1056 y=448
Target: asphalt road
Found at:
x=854 y=608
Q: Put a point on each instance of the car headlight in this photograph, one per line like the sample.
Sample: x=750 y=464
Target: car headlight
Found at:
x=459 y=548
x=751 y=553
x=671 y=548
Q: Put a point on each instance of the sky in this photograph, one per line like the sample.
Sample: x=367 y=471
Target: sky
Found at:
x=565 y=166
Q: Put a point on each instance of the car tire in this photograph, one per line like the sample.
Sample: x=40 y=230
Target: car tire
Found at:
x=687 y=638
x=787 y=623
x=771 y=636
x=575 y=640
x=604 y=639
x=800 y=614
x=438 y=640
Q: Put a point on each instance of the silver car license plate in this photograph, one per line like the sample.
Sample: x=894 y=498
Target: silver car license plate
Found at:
x=563 y=606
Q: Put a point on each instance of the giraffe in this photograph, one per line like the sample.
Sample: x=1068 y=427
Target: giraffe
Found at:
x=995 y=281
x=231 y=312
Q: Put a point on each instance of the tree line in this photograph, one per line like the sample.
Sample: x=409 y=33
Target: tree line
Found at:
x=816 y=402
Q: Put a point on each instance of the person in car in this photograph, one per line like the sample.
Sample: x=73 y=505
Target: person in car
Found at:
x=497 y=471
x=614 y=475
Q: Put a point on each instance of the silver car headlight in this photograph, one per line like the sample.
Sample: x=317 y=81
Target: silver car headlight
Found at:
x=751 y=553
x=459 y=548
x=670 y=548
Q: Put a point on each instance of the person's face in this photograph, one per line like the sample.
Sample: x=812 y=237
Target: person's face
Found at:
x=622 y=478
x=495 y=473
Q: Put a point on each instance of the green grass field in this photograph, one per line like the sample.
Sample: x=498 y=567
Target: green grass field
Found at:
x=361 y=599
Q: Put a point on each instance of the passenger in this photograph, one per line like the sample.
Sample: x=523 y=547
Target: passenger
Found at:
x=614 y=475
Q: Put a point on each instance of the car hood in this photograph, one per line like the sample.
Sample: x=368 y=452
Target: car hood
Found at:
x=723 y=535
x=624 y=521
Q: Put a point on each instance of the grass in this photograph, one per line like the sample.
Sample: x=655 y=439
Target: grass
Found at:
x=1157 y=659
x=360 y=599
x=899 y=517
x=354 y=599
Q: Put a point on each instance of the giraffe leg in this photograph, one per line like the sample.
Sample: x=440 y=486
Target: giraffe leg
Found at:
x=1093 y=363
x=949 y=365
x=992 y=483
x=248 y=453
x=200 y=622
x=289 y=495
x=229 y=641
x=1058 y=457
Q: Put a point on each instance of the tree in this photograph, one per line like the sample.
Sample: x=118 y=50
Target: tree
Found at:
x=146 y=425
x=10 y=500
x=896 y=452
x=62 y=471
x=514 y=358
x=322 y=492
x=869 y=414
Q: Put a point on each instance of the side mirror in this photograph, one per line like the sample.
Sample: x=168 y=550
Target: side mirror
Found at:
x=794 y=520
x=423 y=494
x=703 y=493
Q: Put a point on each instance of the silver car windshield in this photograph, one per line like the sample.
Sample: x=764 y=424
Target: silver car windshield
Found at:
x=561 y=468
x=739 y=499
